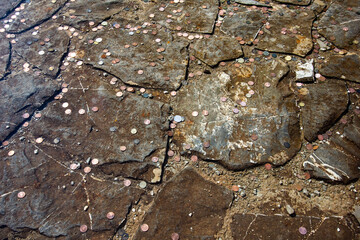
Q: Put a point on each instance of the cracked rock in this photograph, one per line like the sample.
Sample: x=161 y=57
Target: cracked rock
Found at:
x=232 y=126
x=4 y=55
x=343 y=67
x=217 y=49
x=203 y=207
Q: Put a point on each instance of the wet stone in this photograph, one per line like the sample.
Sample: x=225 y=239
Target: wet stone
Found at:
x=230 y=134
x=343 y=67
x=48 y=56
x=244 y=23
x=248 y=226
x=324 y=104
x=297 y=41
x=204 y=206
x=134 y=60
x=217 y=49
x=34 y=12
x=338 y=160
x=338 y=16
x=189 y=16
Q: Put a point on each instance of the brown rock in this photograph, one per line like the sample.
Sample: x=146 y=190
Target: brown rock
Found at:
x=188 y=205
x=343 y=67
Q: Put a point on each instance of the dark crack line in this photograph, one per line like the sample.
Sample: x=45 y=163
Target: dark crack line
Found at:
x=12 y=10
x=40 y=21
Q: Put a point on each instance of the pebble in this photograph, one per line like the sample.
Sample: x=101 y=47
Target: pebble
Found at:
x=289 y=209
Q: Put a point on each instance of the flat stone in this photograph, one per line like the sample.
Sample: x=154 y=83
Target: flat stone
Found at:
x=299 y=43
x=324 y=104
x=248 y=226
x=190 y=16
x=22 y=92
x=217 y=49
x=272 y=118
x=338 y=16
x=344 y=67
x=79 y=13
x=8 y=6
x=91 y=129
x=253 y=2
x=169 y=57
x=48 y=56
x=188 y=205
x=295 y=2
x=34 y=13
x=4 y=55
x=338 y=160
x=244 y=23
x=53 y=206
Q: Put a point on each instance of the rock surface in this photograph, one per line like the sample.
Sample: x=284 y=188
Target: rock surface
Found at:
x=285 y=33
x=234 y=118
x=8 y=6
x=295 y=2
x=138 y=59
x=324 y=102
x=189 y=206
x=340 y=23
x=214 y=50
x=4 y=55
x=343 y=67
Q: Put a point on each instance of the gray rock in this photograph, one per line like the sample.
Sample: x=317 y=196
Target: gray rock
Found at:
x=230 y=134
x=202 y=215
x=295 y=2
x=322 y=110
x=4 y=55
x=34 y=13
x=169 y=58
x=217 y=49
x=297 y=39
x=244 y=23
x=253 y=2
x=338 y=16
x=8 y=6
x=45 y=55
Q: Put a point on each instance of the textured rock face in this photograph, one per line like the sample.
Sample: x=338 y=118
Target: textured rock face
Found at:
x=151 y=59
x=4 y=55
x=32 y=13
x=44 y=48
x=340 y=23
x=338 y=160
x=234 y=118
x=244 y=23
x=190 y=16
x=325 y=102
x=217 y=49
x=246 y=226
x=285 y=33
x=189 y=206
x=7 y=6
x=24 y=92
x=343 y=67
x=295 y=2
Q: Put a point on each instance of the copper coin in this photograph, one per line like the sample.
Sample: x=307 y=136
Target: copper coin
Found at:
x=83 y=228
x=21 y=194
x=144 y=227
x=87 y=169
x=110 y=215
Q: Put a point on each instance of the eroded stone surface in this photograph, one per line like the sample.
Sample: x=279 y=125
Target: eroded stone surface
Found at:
x=244 y=23
x=138 y=59
x=247 y=226
x=253 y=2
x=324 y=102
x=45 y=49
x=340 y=24
x=228 y=132
x=189 y=206
x=23 y=92
x=338 y=159
x=343 y=67
x=217 y=49
x=295 y=2
x=289 y=32
x=191 y=16
x=33 y=13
